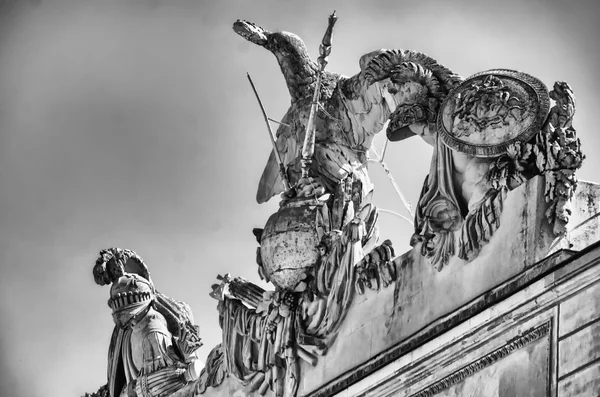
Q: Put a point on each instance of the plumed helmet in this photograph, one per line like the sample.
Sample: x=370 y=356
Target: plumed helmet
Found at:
x=112 y=263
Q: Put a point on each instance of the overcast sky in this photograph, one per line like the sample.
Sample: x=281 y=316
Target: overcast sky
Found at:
x=131 y=123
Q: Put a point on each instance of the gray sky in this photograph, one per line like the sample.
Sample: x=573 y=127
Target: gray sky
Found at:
x=131 y=124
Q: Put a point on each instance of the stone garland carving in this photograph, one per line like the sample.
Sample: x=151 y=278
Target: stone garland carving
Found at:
x=481 y=126
x=554 y=152
x=519 y=342
x=420 y=85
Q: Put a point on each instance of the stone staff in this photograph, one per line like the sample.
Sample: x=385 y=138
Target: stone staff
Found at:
x=309 y=137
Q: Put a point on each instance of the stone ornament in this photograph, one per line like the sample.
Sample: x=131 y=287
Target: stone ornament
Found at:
x=555 y=152
x=266 y=333
x=491 y=110
x=489 y=359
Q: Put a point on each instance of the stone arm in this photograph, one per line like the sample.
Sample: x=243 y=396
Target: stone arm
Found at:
x=413 y=86
x=163 y=371
x=158 y=352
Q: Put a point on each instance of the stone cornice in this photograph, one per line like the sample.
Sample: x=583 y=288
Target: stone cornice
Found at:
x=485 y=361
x=538 y=271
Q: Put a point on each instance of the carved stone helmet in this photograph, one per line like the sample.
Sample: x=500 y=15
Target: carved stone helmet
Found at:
x=113 y=263
x=130 y=296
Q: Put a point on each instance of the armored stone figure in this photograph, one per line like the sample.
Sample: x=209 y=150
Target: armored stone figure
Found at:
x=153 y=347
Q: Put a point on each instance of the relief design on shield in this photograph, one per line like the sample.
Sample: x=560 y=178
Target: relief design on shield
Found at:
x=491 y=110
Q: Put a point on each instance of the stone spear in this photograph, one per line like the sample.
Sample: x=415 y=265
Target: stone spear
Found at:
x=286 y=183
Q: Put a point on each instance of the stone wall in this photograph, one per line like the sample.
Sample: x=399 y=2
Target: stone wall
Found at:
x=579 y=343
x=543 y=340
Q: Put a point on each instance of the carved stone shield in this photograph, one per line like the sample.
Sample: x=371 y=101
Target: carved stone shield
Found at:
x=491 y=110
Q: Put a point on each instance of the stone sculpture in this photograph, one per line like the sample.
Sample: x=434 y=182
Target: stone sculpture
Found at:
x=153 y=347
x=490 y=133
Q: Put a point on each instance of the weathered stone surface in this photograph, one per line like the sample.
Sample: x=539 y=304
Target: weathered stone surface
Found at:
x=585 y=383
x=522 y=373
x=579 y=349
x=584 y=226
x=579 y=310
x=422 y=295
x=515 y=106
x=463 y=353
x=289 y=243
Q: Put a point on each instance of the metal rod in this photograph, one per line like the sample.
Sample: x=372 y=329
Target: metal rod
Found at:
x=279 y=122
x=395 y=213
x=286 y=183
x=393 y=181
x=385 y=145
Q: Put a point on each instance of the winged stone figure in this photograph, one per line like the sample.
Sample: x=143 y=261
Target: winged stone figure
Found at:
x=353 y=108
x=405 y=87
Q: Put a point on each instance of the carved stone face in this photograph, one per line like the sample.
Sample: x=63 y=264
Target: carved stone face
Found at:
x=407 y=93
